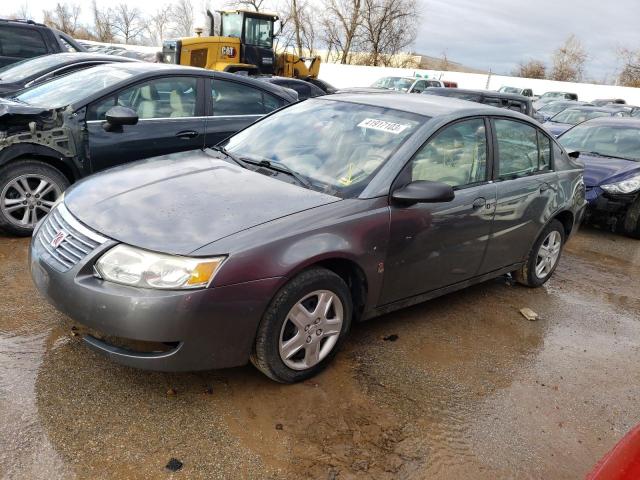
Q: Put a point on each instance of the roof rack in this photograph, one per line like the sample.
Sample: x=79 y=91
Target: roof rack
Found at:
x=22 y=20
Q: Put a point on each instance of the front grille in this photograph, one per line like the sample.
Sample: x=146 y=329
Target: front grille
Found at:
x=74 y=240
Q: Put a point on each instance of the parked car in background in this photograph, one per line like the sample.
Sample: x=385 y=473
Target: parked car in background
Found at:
x=449 y=84
x=566 y=119
x=525 y=92
x=20 y=39
x=60 y=131
x=33 y=71
x=406 y=84
x=610 y=150
x=326 y=87
x=629 y=110
x=551 y=109
x=606 y=101
x=302 y=87
x=553 y=97
x=509 y=101
x=333 y=210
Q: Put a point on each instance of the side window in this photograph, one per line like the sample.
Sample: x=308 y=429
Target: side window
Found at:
x=173 y=97
x=456 y=155
x=518 y=153
x=304 y=91
x=231 y=98
x=21 y=42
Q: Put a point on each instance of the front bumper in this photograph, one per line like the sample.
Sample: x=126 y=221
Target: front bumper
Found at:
x=605 y=203
x=208 y=328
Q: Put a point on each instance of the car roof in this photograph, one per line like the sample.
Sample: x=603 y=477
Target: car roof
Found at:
x=452 y=92
x=425 y=105
x=73 y=57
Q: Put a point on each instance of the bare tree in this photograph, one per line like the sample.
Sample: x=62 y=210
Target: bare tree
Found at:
x=388 y=26
x=102 y=23
x=63 y=17
x=297 y=26
x=630 y=73
x=22 y=13
x=569 y=60
x=161 y=23
x=127 y=22
x=183 y=14
x=248 y=4
x=531 y=69
x=341 y=25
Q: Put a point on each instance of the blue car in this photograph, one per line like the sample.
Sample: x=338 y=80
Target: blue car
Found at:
x=566 y=119
x=610 y=150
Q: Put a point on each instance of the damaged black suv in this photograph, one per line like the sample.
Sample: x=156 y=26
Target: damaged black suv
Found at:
x=58 y=132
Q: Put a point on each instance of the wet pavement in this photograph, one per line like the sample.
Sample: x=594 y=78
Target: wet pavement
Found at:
x=468 y=389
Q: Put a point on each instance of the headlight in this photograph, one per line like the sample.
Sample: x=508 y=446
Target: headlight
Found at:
x=140 y=268
x=625 y=186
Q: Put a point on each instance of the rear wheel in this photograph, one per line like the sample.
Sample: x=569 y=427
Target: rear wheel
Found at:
x=544 y=256
x=28 y=190
x=631 y=225
x=303 y=326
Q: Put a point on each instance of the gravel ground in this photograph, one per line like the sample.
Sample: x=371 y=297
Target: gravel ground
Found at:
x=469 y=388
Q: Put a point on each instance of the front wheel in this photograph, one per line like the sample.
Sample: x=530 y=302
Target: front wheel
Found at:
x=544 y=256
x=631 y=223
x=28 y=190
x=303 y=326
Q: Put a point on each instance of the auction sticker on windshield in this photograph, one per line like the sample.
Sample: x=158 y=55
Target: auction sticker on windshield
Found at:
x=383 y=125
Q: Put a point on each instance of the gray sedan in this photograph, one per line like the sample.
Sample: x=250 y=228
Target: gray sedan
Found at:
x=334 y=210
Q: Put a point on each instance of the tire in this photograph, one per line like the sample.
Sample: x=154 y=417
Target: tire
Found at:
x=310 y=333
x=529 y=274
x=631 y=224
x=28 y=188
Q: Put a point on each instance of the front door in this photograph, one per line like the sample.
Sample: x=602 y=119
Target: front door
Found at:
x=435 y=245
x=170 y=119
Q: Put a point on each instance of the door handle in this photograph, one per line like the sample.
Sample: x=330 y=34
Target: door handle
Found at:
x=187 y=134
x=479 y=203
x=544 y=187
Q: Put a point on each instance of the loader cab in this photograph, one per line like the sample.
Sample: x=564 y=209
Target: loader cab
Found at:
x=256 y=32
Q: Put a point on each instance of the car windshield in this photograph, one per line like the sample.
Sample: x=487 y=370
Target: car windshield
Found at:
x=32 y=66
x=608 y=140
x=510 y=90
x=553 y=108
x=394 y=83
x=258 y=31
x=574 y=116
x=553 y=95
x=336 y=146
x=74 y=87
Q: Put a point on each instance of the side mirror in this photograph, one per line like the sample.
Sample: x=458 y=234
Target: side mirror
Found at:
x=574 y=154
x=118 y=116
x=423 y=191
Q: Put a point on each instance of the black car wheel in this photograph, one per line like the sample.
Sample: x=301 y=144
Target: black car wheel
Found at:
x=28 y=190
x=544 y=256
x=631 y=225
x=303 y=326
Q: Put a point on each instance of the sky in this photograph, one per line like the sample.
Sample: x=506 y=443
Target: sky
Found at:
x=486 y=34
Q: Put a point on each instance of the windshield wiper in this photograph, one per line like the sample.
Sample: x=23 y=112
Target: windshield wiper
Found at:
x=282 y=168
x=230 y=156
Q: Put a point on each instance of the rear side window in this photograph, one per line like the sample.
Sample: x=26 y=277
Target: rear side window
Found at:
x=231 y=98
x=304 y=91
x=21 y=42
x=522 y=149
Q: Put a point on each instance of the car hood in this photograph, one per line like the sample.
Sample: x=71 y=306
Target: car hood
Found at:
x=9 y=108
x=603 y=170
x=178 y=203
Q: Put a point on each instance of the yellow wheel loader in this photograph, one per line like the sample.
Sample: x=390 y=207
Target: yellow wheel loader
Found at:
x=245 y=44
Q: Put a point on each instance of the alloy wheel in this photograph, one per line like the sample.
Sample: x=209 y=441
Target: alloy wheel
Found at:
x=311 y=330
x=26 y=199
x=548 y=254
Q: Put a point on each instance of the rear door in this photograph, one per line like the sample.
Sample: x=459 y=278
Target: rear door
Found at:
x=435 y=245
x=232 y=106
x=526 y=188
x=170 y=111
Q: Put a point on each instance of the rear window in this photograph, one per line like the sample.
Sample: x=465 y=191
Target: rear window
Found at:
x=21 y=42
